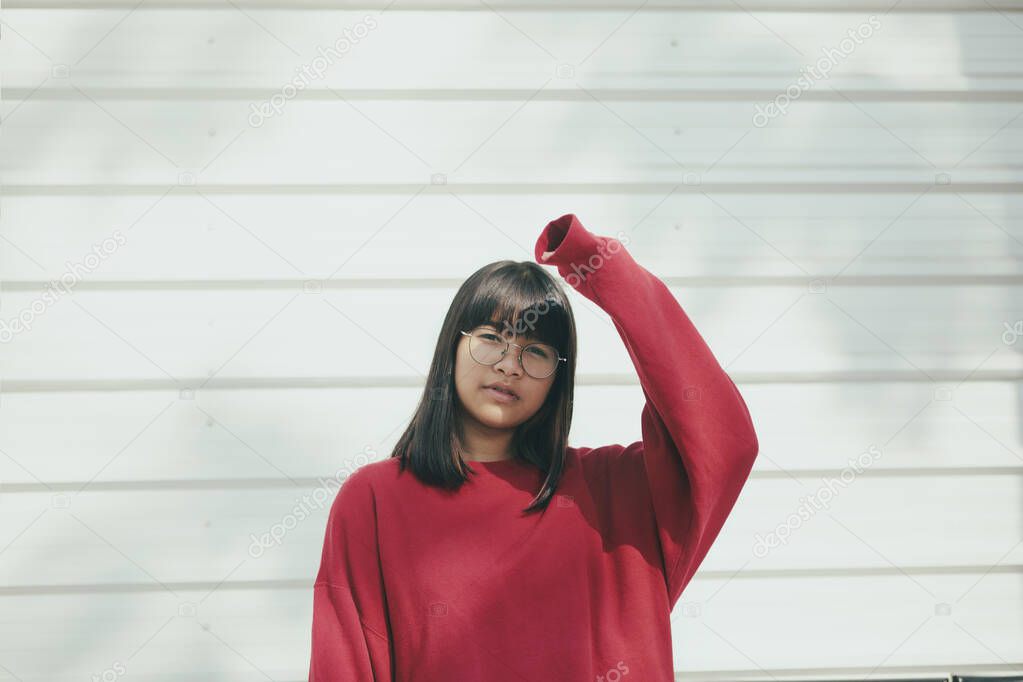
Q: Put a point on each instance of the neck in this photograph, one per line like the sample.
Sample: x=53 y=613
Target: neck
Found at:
x=485 y=444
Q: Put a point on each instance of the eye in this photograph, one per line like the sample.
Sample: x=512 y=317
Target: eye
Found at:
x=488 y=336
x=539 y=351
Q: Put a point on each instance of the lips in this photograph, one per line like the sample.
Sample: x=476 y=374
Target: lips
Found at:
x=503 y=388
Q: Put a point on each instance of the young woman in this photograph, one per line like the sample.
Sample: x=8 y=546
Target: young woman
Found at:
x=487 y=549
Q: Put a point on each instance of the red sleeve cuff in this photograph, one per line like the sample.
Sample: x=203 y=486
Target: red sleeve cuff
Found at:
x=569 y=241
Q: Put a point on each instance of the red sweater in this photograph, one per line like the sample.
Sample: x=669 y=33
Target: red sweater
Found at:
x=420 y=585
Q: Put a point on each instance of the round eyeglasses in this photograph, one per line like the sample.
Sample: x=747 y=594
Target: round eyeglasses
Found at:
x=538 y=360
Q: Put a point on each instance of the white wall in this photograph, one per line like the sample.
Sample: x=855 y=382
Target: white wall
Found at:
x=854 y=265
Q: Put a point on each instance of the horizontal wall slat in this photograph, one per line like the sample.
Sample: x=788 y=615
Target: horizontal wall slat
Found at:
x=654 y=49
x=236 y=634
x=181 y=536
x=761 y=239
x=609 y=95
x=149 y=439
x=172 y=334
x=469 y=142
x=923 y=6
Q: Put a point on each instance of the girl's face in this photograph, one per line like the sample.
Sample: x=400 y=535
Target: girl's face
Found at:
x=481 y=403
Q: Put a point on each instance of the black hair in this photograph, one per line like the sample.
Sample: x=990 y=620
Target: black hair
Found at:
x=525 y=300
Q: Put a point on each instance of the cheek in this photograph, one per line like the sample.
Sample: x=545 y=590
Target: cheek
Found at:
x=538 y=394
x=465 y=370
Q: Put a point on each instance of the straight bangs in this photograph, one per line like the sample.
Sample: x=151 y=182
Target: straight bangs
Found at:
x=520 y=304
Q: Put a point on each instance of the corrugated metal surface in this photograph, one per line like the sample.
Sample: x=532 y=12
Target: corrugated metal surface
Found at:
x=261 y=235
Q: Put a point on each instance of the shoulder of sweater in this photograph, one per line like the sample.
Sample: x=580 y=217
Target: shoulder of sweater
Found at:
x=372 y=474
x=356 y=491
x=354 y=507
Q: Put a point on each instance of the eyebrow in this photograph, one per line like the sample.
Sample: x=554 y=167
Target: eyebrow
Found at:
x=497 y=327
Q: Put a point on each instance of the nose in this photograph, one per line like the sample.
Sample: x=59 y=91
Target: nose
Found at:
x=511 y=361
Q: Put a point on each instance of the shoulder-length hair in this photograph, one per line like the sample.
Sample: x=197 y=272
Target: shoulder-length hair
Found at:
x=526 y=300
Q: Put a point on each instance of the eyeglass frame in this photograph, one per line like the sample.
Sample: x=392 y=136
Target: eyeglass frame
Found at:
x=508 y=345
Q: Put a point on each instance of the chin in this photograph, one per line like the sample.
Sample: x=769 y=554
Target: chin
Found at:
x=491 y=414
x=496 y=418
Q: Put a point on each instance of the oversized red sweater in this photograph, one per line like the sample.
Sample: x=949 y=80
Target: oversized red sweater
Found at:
x=421 y=585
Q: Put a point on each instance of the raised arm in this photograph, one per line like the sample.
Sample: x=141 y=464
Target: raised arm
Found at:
x=698 y=442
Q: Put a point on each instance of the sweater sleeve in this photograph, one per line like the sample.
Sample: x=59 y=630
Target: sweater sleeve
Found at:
x=698 y=442
x=350 y=630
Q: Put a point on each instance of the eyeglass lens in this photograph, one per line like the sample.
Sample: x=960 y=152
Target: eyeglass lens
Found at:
x=538 y=359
